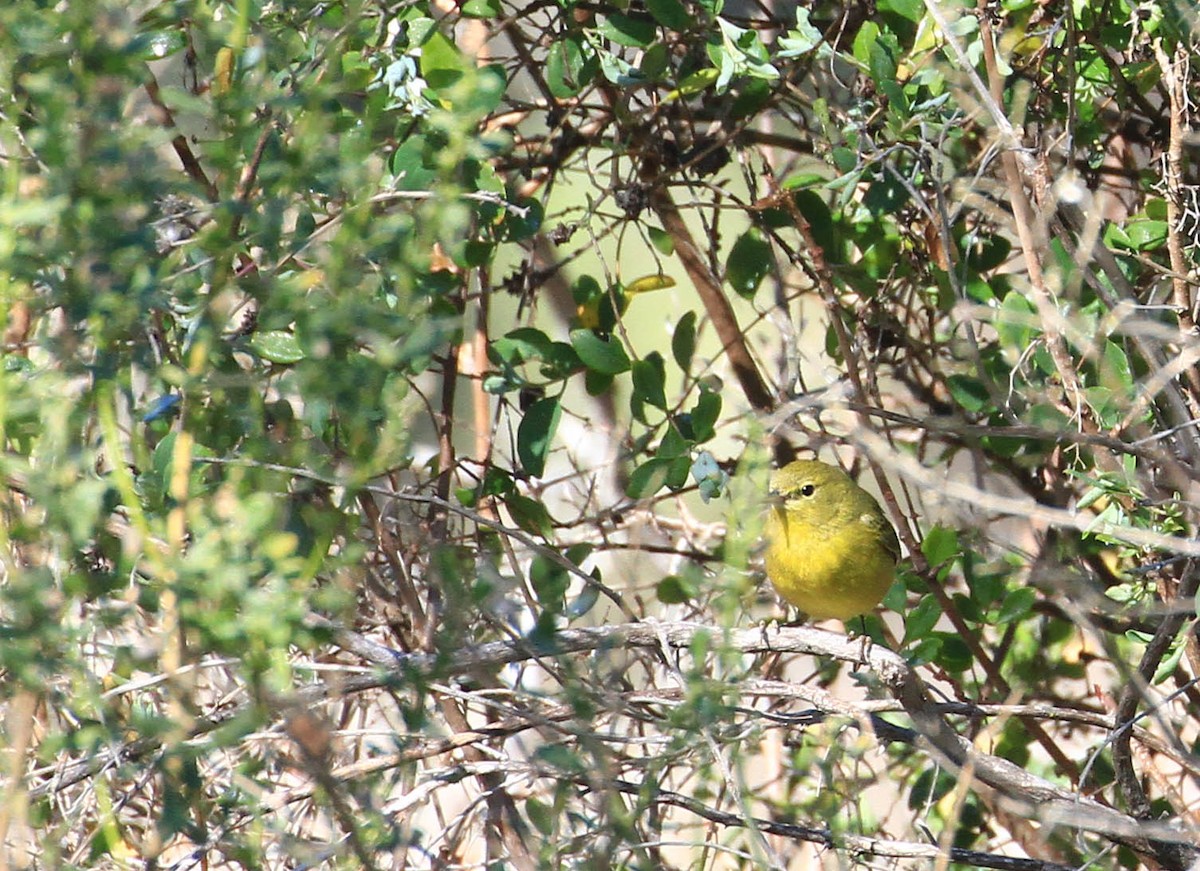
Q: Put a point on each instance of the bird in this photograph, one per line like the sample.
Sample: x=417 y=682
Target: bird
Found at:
x=831 y=551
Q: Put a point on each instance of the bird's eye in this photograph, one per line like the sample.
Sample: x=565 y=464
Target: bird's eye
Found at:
x=808 y=489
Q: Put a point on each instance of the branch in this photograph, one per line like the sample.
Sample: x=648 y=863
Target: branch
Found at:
x=1024 y=792
x=191 y=165
x=858 y=846
x=1019 y=791
x=1030 y=226
x=938 y=489
x=1170 y=855
x=708 y=286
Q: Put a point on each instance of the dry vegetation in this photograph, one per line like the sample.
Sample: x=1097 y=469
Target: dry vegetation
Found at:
x=389 y=389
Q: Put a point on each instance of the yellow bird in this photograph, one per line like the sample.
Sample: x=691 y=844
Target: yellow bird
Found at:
x=831 y=551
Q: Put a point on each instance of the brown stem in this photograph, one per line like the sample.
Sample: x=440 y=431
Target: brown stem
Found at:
x=482 y=411
x=1181 y=290
x=245 y=185
x=506 y=837
x=1169 y=855
x=406 y=593
x=1031 y=233
x=191 y=165
x=716 y=305
x=445 y=438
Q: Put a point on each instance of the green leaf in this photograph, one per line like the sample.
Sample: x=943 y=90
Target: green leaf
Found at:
x=586 y=290
x=523 y=222
x=597 y=383
x=1116 y=372
x=1017 y=604
x=549 y=580
x=970 y=393
x=711 y=480
x=896 y=598
x=475 y=253
x=801 y=39
x=1103 y=403
x=662 y=241
x=409 y=167
x=986 y=252
x=674 y=443
x=806 y=179
x=940 y=545
x=752 y=96
x=741 y=52
x=498 y=385
x=967 y=606
x=953 y=654
x=677 y=474
x=559 y=361
x=519 y=346
x=570 y=67
x=656 y=62
x=585 y=601
x=1167 y=667
x=605 y=356
x=442 y=64
x=670 y=14
x=648 y=478
x=160 y=43
x=561 y=757
x=925 y=651
x=535 y=434
x=899 y=109
x=988 y=587
x=1016 y=322
x=627 y=30
x=704 y=416
x=885 y=196
x=649 y=380
x=542 y=816
x=878 y=51
x=880 y=259
x=620 y=71
x=912 y=10
x=864 y=41
x=816 y=211
x=530 y=515
x=683 y=340
x=157 y=480
x=1146 y=235
x=1114 y=236
x=676 y=590
x=844 y=159
x=701 y=80
x=481 y=9
x=750 y=260
x=885 y=54
x=277 y=346
x=920 y=620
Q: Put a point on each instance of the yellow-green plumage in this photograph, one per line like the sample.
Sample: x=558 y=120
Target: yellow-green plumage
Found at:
x=831 y=552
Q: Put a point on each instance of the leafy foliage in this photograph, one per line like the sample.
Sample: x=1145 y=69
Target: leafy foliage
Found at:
x=426 y=338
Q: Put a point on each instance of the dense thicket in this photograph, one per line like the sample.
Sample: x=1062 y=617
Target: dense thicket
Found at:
x=389 y=391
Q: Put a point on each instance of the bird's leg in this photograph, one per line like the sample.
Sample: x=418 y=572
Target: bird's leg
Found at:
x=866 y=642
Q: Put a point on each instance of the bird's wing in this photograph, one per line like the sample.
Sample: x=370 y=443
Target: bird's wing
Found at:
x=887 y=533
